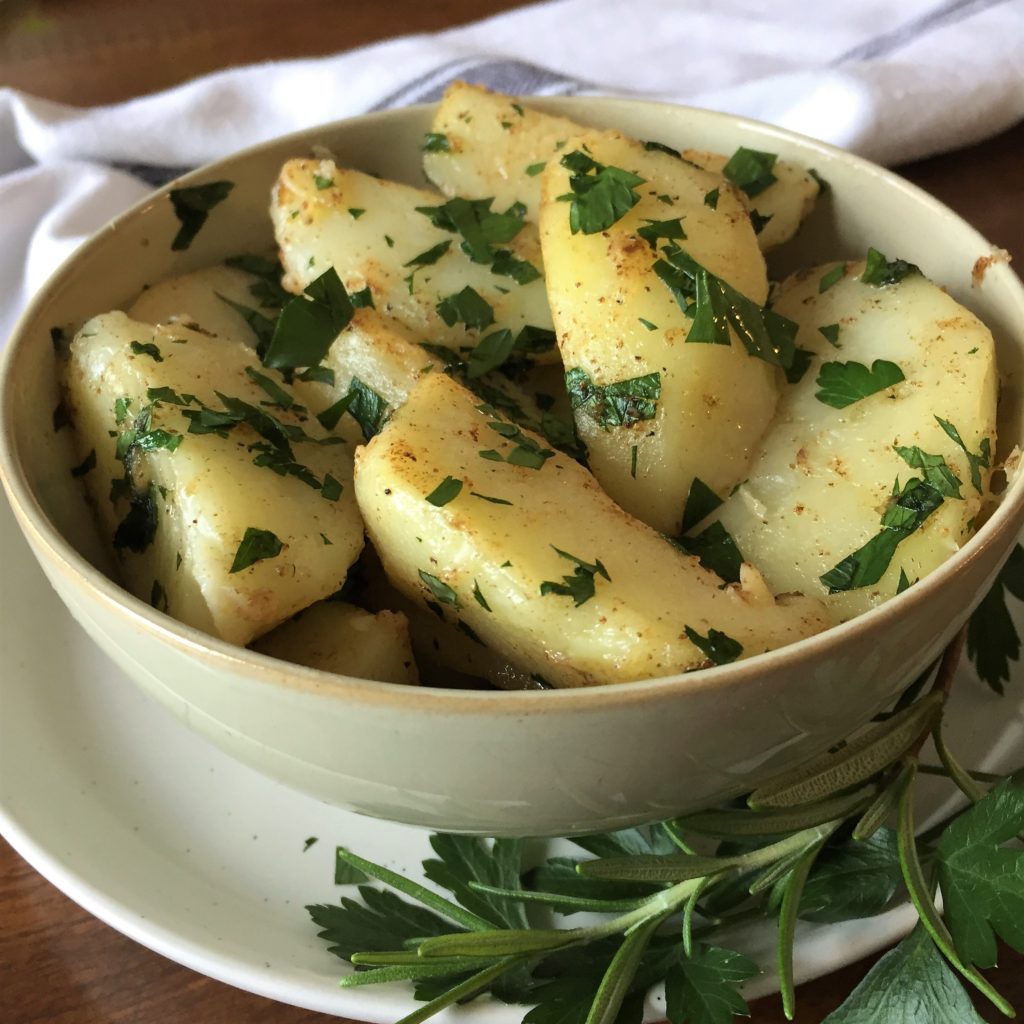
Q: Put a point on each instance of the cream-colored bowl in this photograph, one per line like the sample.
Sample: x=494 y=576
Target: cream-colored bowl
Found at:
x=528 y=763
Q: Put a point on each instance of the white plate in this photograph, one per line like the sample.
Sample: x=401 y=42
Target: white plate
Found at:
x=201 y=859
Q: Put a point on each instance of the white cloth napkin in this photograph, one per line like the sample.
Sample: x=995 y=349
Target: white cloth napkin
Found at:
x=890 y=81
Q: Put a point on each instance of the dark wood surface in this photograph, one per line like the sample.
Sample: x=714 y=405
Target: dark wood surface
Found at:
x=59 y=965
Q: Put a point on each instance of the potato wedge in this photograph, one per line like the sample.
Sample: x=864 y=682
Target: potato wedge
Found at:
x=337 y=637
x=232 y=529
x=618 y=322
x=348 y=223
x=534 y=558
x=785 y=203
x=825 y=475
x=495 y=146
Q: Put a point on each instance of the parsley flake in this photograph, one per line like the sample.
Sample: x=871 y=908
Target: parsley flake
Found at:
x=831 y=277
x=87 y=464
x=466 y=307
x=309 y=323
x=711 y=198
x=701 y=501
x=436 y=142
x=600 y=195
x=447 y=490
x=192 y=206
x=149 y=349
x=750 y=170
x=534 y=169
x=488 y=497
x=879 y=271
x=842 y=384
x=652 y=230
x=935 y=471
x=322 y=182
x=580 y=586
x=978 y=461
x=830 y=332
x=479 y=597
x=619 y=404
x=255 y=546
x=440 y=589
x=718 y=647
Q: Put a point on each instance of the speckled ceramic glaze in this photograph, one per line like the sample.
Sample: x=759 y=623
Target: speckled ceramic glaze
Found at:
x=527 y=763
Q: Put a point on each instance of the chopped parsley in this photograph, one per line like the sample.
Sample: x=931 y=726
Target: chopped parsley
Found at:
x=750 y=170
x=481 y=228
x=600 y=195
x=355 y=212
x=619 y=404
x=526 y=453
x=362 y=403
x=149 y=349
x=935 y=471
x=490 y=353
x=440 y=589
x=716 y=551
x=580 y=586
x=660 y=147
x=903 y=583
x=255 y=546
x=831 y=277
x=492 y=500
x=479 y=597
x=830 y=332
x=842 y=384
x=652 y=230
x=121 y=409
x=331 y=489
x=977 y=461
x=61 y=417
x=866 y=566
x=801 y=364
x=436 y=142
x=192 y=206
x=534 y=169
x=322 y=182
x=879 y=271
x=158 y=596
x=447 y=490
x=138 y=528
x=648 y=324
x=633 y=452
x=505 y=264
x=466 y=307
x=759 y=221
x=275 y=393
x=430 y=256
x=261 y=326
x=711 y=198
x=309 y=323
x=719 y=648
x=701 y=501
x=714 y=306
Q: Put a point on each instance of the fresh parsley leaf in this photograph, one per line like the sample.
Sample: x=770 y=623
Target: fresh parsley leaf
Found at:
x=600 y=195
x=363 y=299
x=831 y=277
x=982 y=881
x=660 y=147
x=648 y=324
x=711 y=198
x=580 y=586
x=309 y=323
x=355 y=212
x=344 y=872
x=879 y=271
x=842 y=384
x=701 y=501
x=855 y=879
x=935 y=471
x=321 y=374
x=526 y=453
x=366 y=407
x=717 y=647
x=138 y=528
x=867 y=565
x=261 y=326
x=382 y=922
x=653 y=230
x=978 y=461
x=332 y=488
x=322 y=182
x=481 y=227
x=714 y=306
x=158 y=596
x=440 y=589
x=796 y=370
x=704 y=988
x=490 y=498
x=479 y=597
x=992 y=640
x=759 y=221
x=717 y=551
x=436 y=142
x=192 y=206
x=87 y=464
x=911 y=984
x=904 y=582
x=466 y=307
x=619 y=404
x=61 y=416
x=507 y=265
x=447 y=490
x=149 y=349
x=255 y=546
x=534 y=169
x=430 y=256
x=750 y=170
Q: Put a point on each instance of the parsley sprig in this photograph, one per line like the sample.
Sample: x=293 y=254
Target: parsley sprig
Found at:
x=813 y=844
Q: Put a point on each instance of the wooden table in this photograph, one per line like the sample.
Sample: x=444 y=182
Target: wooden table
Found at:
x=58 y=965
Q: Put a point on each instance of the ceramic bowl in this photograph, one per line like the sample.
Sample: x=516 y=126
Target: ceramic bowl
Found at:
x=525 y=763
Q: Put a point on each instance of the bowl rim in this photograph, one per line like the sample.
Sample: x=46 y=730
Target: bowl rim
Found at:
x=263 y=669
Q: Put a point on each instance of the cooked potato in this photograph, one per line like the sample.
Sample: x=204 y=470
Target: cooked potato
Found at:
x=494 y=146
x=785 y=202
x=825 y=475
x=480 y=520
x=337 y=637
x=372 y=233
x=232 y=534
x=616 y=321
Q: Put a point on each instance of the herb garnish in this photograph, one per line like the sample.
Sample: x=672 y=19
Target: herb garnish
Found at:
x=255 y=546
x=718 y=647
x=701 y=501
x=977 y=461
x=309 y=323
x=653 y=230
x=936 y=472
x=711 y=198
x=715 y=306
x=600 y=195
x=362 y=403
x=831 y=277
x=619 y=404
x=87 y=464
x=466 y=307
x=750 y=170
x=992 y=641
x=490 y=498
x=830 y=332
x=867 y=565
x=482 y=229
x=479 y=597
x=440 y=589
x=526 y=453
x=447 y=490
x=759 y=221
x=534 y=169
x=792 y=854
x=268 y=288
x=717 y=551
x=275 y=393
x=192 y=206
x=879 y=271
x=435 y=142
x=506 y=264
x=842 y=384
x=138 y=528
x=148 y=349
x=262 y=326
x=580 y=585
